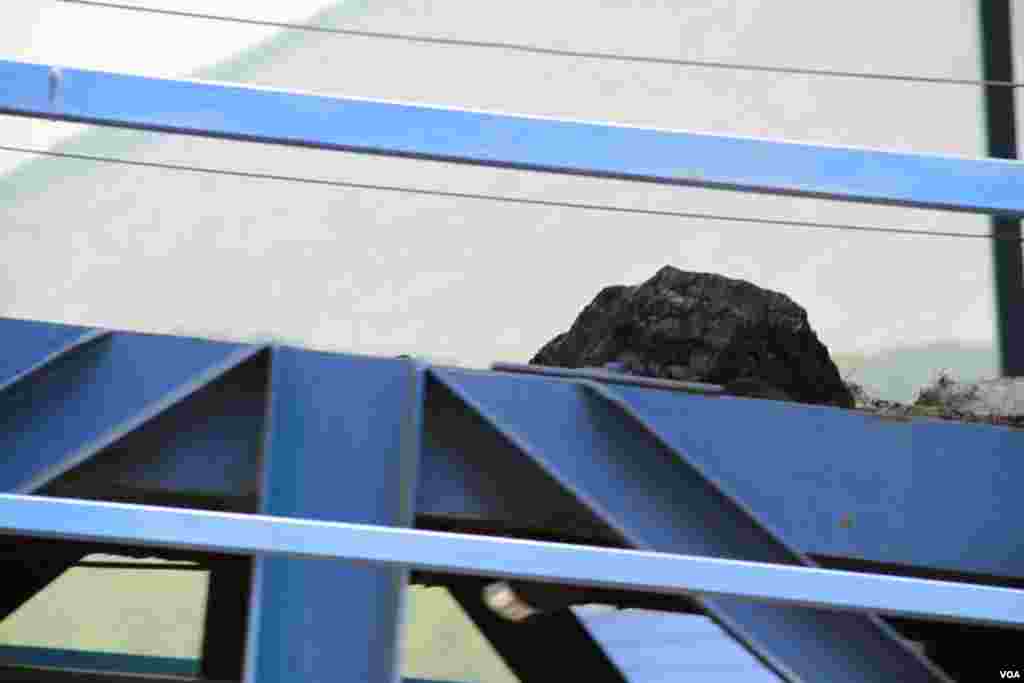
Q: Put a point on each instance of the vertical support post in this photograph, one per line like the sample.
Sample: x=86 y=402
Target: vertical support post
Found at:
x=225 y=625
x=1001 y=128
x=342 y=444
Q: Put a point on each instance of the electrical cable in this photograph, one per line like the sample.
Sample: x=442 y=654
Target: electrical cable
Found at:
x=501 y=198
x=549 y=51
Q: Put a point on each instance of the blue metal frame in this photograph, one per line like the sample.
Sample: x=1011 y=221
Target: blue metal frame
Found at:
x=448 y=134
x=65 y=439
x=336 y=438
x=802 y=470
x=506 y=558
x=627 y=451
x=321 y=462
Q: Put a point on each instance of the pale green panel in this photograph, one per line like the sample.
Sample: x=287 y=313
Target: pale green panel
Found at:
x=123 y=611
x=440 y=643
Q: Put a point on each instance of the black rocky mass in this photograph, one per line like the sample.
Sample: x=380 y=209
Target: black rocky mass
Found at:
x=703 y=327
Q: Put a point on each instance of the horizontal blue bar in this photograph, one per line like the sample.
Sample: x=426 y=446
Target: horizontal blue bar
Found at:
x=508 y=558
x=531 y=143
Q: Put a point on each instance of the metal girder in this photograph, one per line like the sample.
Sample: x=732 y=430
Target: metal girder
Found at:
x=832 y=483
x=29 y=566
x=823 y=481
x=93 y=392
x=68 y=393
x=614 y=451
x=507 y=558
x=471 y=479
x=334 y=454
x=75 y=342
x=502 y=140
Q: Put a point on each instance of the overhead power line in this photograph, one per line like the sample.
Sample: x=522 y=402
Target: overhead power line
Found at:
x=500 y=198
x=550 y=51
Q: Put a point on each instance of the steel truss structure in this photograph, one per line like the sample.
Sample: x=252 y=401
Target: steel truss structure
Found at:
x=820 y=539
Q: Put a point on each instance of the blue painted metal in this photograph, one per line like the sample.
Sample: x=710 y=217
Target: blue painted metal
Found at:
x=205 y=446
x=612 y=373
x=333 y=454
x=600 y=150
x=827 y=481
x=803 y=470
x=508 y=558
x=612 y=453
x=661 y=646
x=819 y=491
x=77 y=343
x=836 y=483
x=84 y=398
x=34 y=344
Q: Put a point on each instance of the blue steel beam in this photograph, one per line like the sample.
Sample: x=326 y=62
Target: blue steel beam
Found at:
x=832 y=483
x=471 y=480
x=829 y=482
x=658 y=499
x=203 y=449
x=29 y=344
x=506 y=558
x=79 y=342
x=85 y=399
x=501 y=140
x=35 y=352
x=342 y=443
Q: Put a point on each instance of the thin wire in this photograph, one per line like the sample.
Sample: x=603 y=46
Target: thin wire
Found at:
x=504 y=199
x=551 y=51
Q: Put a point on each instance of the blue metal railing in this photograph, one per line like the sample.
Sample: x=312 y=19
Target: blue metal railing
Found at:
x=508 y=558
x=578 y=148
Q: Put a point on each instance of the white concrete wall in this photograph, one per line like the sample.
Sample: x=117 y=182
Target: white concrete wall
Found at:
x=384 y=273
